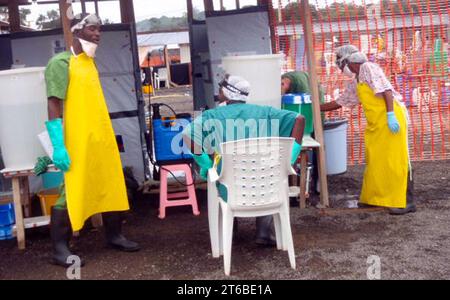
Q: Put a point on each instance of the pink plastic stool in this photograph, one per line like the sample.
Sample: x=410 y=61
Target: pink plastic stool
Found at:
x=183 y=198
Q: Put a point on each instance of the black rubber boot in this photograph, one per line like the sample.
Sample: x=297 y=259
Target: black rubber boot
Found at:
x=112 y=221
x=60 y=233
x=264 y=232
x=410 y=203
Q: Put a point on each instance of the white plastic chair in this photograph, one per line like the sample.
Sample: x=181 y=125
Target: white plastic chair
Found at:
x=255 y=173
x=162 y=75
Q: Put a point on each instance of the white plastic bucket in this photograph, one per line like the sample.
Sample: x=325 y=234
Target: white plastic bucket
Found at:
x=23 y=112
x=335 y=138
x=263 y=72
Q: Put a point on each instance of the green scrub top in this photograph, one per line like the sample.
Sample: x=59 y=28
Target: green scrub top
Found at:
x=57 y=75
x=239 y=121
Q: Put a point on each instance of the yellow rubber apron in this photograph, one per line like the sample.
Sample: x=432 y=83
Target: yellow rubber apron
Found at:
x=386 y=173
x=95 y=181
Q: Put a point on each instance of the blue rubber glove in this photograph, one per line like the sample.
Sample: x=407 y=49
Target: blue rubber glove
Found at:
x=296 y=149
x=205 y=163
x=60 y=156
x=393 y=124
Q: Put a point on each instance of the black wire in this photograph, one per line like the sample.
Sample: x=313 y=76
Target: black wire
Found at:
x=151 y=146
x=182 y=183
x=162 y=104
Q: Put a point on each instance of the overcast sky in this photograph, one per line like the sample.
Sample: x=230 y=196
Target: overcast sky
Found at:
x=145 y=9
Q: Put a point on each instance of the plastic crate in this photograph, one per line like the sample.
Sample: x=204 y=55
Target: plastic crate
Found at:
x=48 y=199
x=300 y=103
x=7 y=216
x=164 y=132
x=6 y=232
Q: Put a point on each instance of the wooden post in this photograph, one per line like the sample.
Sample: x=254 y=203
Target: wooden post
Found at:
x=209 y=5
x=127 y=11
x=190 y=11
x=20 y=226
x=14 y=16
x=83 y=6
x=318 y=129
x=238 y=4
x=65 y=11
x=167 y=61
x=96 y=7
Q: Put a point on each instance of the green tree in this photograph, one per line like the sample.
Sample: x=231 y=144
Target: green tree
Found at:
x=336 y=10
x=49 y=21
x=23 y=13
x=399 y=7
x=3 y=13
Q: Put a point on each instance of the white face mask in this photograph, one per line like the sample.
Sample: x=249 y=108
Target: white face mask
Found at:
x=88 y=47
x=224 y=103
x=347 y=72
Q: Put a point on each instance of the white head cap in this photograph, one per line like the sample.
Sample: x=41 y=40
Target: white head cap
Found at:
x=357 y=58
x=344 y=52
x=80 y=21
x=235 y=88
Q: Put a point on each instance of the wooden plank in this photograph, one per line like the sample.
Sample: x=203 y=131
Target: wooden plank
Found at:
x=313 y=80
x=96 y=7
x=97 y=220
x=14 y=16
x=127 y=11
x=25 y=196
x=65 y=11
x=167 y=60
x=18 y=213
x=190 y=11
x=209 y=6
x=304 y=169
x=83 y=6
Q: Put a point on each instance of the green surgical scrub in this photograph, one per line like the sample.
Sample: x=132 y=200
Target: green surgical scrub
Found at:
x=238 y=121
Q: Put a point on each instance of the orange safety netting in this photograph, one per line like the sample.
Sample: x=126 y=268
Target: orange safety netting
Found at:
x=407 y=38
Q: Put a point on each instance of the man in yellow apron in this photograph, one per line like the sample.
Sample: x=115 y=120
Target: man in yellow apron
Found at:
x=85 y=147
x=386 y=136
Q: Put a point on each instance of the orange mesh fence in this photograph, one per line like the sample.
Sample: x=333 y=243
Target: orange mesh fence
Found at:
x=407 y=38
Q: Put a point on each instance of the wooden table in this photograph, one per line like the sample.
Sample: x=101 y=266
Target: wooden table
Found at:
x=21 y=196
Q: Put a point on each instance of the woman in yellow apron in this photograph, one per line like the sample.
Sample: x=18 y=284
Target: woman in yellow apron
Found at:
x=386 y=136
x=84 y=146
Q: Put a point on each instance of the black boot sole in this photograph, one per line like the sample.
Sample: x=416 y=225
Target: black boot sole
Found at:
x=400 y=213
x=56 y=262
x=122 y=248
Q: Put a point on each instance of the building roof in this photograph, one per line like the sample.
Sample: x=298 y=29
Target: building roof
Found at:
x=371 y=25
x=23 y=28
x=163 y=38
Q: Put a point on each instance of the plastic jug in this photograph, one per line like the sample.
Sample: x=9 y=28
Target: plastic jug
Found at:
x=263 y=72
x=23 y=112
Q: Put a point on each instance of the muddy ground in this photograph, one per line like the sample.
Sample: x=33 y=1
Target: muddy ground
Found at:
x=329 y=244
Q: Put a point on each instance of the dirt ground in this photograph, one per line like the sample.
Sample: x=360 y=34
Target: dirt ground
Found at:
x=333 y=243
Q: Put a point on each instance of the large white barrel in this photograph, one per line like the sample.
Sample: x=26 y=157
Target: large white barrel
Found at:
x=263 y=72
x=23 y=112
x=335 y=139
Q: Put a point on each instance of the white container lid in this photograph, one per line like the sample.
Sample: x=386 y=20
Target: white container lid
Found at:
x=253 y=57
x=22 y=71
